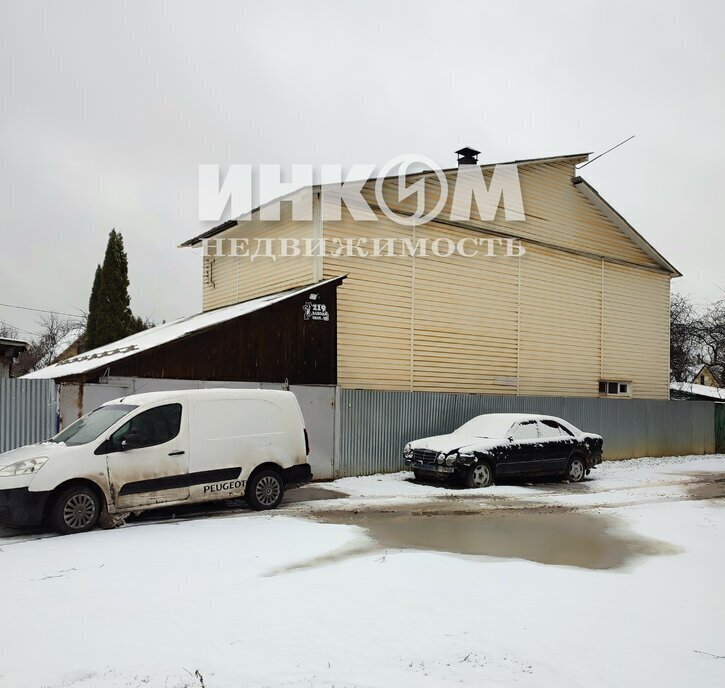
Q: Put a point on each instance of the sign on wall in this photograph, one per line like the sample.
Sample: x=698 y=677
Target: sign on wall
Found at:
x=315 y=311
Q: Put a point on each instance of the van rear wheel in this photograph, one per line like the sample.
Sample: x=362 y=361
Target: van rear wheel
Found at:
x=265 y=490
x=75 y=510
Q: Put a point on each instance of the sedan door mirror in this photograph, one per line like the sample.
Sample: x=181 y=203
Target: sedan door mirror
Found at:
x=131 y=441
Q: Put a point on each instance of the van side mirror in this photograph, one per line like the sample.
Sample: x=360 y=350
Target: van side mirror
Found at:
x=105 y=447
x=131 y=441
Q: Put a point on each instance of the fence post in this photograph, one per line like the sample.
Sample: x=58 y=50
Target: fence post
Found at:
x=720 y=428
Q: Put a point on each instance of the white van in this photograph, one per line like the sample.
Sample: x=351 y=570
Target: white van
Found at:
x=158 y=449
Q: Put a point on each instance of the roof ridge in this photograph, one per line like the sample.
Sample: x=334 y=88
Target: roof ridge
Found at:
x=228 y=224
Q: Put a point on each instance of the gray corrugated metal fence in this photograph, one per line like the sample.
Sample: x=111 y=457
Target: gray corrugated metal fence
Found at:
x=376 y=425
x=28 y=412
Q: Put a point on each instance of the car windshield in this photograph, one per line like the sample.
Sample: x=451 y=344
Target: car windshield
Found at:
x=90 y=427
x=486 y=426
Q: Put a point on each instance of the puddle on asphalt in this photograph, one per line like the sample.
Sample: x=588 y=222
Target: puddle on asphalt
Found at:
x=705 y=486
x=558 y=538
x=564 y=539
x=312 y=493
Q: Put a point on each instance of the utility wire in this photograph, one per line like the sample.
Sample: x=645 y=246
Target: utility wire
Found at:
x=20 y=329
x=38 y=310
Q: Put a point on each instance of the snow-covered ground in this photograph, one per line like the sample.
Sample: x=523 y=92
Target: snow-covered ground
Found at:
x=303 y=597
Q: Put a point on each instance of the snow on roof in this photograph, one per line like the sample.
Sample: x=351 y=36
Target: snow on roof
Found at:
x=518 y=417
x=514 y=417
x=209 y=393
x=699 y=390
x=504 y=421
x=162 y=334
x=4 y=341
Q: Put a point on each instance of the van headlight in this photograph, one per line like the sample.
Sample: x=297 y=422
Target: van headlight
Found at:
x=407 y=451
x=23 y=467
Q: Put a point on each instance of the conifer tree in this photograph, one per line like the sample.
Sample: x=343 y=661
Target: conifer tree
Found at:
x=91 y=338
x=109 y=316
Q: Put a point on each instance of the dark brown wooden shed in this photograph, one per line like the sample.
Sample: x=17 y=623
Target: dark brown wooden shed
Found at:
x=288 y=336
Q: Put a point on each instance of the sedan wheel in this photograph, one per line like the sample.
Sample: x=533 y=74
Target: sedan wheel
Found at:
x=480 y=475
x=576 y=471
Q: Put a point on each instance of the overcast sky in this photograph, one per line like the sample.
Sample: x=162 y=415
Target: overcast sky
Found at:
x=107 y=108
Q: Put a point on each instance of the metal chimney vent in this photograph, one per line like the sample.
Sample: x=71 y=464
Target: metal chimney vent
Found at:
x=467 y=156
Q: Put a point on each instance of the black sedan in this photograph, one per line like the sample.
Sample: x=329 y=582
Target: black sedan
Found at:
x=502 y=445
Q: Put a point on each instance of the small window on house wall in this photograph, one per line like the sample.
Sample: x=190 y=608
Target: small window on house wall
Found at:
x=615 y=388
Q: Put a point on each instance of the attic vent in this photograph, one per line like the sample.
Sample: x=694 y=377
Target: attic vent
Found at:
x=467 y=156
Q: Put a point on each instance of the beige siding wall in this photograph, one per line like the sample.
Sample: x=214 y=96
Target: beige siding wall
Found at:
x=464 y=320
x=636 y=330
x=549 y=323
x=374 y=309
x=557 y=213
x=230 y=279
x=582 y=304
x=560 y=331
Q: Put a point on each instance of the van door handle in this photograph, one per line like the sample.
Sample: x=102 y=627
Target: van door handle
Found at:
x=177 y=453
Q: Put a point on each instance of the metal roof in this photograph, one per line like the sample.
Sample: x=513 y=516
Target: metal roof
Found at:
x=574 y=157
x=99 y=358
x=704 y=391
x=14 y=343
x=618 y=221
x=587 y=189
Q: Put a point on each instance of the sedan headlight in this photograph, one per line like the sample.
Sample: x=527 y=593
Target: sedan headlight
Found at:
x=23 y=467
x=451 y=459
x=441 y=458
x=407 y=451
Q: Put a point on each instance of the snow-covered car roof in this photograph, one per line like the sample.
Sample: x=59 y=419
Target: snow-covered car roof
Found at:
x=512 y=418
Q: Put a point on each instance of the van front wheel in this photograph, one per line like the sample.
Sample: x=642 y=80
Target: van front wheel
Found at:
x=265 y=490
x=75 y=510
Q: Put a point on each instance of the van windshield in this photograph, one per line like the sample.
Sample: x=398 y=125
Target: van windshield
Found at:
x=90 y=427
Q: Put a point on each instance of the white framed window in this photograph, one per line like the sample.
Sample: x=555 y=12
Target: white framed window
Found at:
x=615 y=388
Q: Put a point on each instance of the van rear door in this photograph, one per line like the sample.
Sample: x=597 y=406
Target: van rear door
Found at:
x=231 y=437
x=148 y=458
